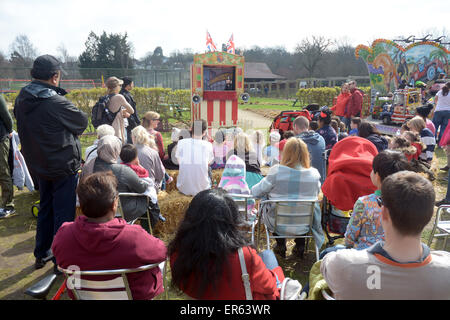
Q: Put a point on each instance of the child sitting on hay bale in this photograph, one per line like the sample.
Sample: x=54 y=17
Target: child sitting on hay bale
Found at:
x=129 y=156
x=233 y=181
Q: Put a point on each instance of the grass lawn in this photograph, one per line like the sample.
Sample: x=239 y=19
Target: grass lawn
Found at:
x=268 y=103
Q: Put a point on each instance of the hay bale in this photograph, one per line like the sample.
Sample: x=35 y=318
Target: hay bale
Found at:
x=217 y=175
x=173 y=205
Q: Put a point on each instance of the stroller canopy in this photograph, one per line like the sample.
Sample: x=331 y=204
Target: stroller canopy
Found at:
x=349 y=167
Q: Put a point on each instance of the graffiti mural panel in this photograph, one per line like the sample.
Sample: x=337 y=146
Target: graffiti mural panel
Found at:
x=389 y=63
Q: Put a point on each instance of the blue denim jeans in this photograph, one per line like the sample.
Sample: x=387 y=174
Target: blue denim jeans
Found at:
x=269 y=259
x=330 y=249
x=440 y=119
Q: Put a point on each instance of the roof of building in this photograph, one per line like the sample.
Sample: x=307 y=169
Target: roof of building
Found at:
x=259 y=70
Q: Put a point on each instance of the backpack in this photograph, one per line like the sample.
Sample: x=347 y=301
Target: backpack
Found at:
x=100 y=112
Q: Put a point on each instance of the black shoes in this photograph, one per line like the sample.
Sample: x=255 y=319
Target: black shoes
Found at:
x=445 y=168
x=39 y=263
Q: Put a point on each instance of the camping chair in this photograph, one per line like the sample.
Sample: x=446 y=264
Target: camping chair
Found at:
x=242 y=201
x=94 y=289
x=121 y=214
x=293 y=219
x=442 y=225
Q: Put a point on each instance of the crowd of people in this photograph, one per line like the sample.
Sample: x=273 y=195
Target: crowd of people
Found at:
x=129 y=156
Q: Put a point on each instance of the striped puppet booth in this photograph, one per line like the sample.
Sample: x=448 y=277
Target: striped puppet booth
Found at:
x=217 y=82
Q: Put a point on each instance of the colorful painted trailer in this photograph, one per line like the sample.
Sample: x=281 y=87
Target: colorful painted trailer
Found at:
x=217 y=82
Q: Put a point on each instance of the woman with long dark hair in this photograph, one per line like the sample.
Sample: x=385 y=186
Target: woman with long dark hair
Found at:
x=368 y=131
x=204 y=253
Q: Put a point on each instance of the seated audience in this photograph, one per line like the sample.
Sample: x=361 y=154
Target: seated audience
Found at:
x=271 y=153
x=342 y=135
x=368 y=131
x=313 y=125
x=325 y=130
x=414 y=139
x=364 y=228
x=424 y=111
x=243 y=149
x=128 y=181
x=417 y=125
x=220 y=150
x=204 y=256
x=335 y=125
x=315 y=143
x=286 y=135
x=401 y=267
x=148 y=156
x=103 y=130
x=233 y=181
x=258 y=140
x=400 y=143
x=129 y=156
x=194 y=156
x=354 y=125
x=294 y=178
x=150 y=121
x=170 y=162
x=99 y=241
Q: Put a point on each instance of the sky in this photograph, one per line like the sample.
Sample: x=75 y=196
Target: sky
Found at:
x=176 y=25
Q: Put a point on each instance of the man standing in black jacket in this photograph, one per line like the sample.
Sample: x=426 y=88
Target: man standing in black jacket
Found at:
x=133 y=120
x=49 y=125
x=6 y=125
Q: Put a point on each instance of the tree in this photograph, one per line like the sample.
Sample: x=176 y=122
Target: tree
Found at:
x=67 y=60
x=312 y=52
x=107 y=51
x=22 y=51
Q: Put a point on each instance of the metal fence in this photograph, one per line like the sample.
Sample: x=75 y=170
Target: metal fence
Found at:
x=174 y=79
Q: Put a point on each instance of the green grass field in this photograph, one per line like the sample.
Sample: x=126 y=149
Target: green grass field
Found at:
x=268 y=103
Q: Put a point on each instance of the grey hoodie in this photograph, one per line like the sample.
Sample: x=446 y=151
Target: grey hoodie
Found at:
x=316 y=148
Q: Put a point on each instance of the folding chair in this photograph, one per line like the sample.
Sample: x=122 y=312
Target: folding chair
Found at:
x=121 y=214
x=442 y=225
x=95 y=289
x=293 y=219
x=242 y=201
x=326 y=295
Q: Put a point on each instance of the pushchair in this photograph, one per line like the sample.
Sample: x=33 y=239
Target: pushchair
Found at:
x=348 y=178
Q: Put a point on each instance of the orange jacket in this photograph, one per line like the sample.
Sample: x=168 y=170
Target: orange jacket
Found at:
x=339 y=107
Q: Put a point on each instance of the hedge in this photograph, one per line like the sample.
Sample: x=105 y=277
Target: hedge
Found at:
x=322 y=96
x=162 y=100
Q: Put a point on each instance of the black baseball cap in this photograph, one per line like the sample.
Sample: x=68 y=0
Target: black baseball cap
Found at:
x=47 y=63
x=126 y=81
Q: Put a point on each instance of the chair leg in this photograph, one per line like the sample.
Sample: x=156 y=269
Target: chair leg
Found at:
x=317 y=252
x=268 y=239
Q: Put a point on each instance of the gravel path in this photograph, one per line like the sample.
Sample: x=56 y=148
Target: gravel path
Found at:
x=251 y=120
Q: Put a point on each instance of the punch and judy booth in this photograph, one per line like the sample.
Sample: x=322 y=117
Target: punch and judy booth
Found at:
x=217 y=82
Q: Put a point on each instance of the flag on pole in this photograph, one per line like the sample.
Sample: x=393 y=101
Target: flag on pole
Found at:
x=210 y=46
x=230 y=45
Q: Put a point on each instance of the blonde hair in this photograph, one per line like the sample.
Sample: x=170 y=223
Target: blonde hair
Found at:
x=417 y=124
x=295 y=152
x=242 y=143
x=141 y=136
x=150 y=115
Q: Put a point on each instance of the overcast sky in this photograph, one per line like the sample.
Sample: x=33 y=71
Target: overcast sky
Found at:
x=182 y=24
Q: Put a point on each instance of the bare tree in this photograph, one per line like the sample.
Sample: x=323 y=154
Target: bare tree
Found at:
x=22 y=51
x=68 y=60
x=312 y=52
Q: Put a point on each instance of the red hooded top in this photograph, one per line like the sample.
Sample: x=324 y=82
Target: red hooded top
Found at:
x=112 y=245
x=354 y=105
x=349 y=167
x=262 y=280
x=341 y=102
